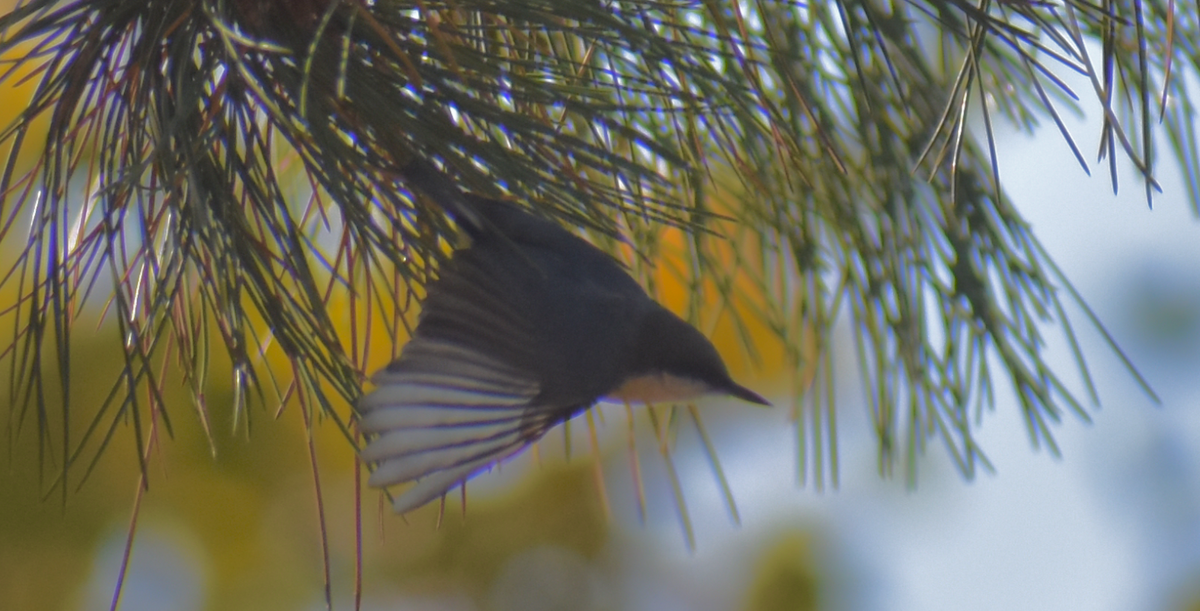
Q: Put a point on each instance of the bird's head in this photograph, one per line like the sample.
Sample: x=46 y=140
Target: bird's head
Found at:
x=673 y=361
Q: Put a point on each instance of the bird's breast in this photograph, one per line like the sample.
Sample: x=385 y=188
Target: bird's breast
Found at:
x=658 y=388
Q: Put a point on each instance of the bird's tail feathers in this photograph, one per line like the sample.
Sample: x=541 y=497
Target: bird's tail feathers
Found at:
x=422 y=175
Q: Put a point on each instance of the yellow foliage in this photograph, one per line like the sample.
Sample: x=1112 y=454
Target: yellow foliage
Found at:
x=20 y=81
x=786 y=578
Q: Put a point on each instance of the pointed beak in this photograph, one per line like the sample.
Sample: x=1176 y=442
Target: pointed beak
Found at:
x=745 y=394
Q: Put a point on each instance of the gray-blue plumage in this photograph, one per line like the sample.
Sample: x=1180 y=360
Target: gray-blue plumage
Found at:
x=526 y=327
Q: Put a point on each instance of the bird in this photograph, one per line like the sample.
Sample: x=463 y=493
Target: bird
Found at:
x=525 y=327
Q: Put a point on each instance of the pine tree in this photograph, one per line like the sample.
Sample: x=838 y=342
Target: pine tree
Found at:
x=228 y=171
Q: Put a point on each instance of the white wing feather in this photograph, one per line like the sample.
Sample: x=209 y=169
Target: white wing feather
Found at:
x=441 y=414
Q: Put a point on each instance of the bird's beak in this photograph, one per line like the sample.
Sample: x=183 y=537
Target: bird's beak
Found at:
x=745 y=394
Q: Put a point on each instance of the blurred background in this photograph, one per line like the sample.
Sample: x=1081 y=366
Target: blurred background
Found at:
x=1114 y=524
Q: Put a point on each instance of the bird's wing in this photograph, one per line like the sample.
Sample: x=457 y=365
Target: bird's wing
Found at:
x=442 y=413
x=481 y=377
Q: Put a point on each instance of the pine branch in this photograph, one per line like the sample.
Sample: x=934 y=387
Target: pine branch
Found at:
x=223 y=172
